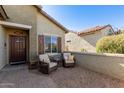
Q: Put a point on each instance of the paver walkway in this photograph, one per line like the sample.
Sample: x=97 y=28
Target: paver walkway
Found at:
x=18 y=76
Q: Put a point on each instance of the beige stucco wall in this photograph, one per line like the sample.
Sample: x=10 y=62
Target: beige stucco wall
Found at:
x=87 y=42
x=2 y=47
x=46 y=27
x=109 y=64
x=93 y=38
x=27 y=15
x=77 y=43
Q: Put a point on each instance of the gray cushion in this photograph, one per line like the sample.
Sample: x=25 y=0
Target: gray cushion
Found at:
x=69 y=61
x=44 y=57
x=52 y=64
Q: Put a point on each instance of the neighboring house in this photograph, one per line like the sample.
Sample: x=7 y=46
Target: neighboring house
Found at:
x=86 y=39
x=119 y=31
x=26 y=31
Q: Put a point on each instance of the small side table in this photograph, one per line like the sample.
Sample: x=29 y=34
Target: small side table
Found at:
x=33 y=65
x=58 y=62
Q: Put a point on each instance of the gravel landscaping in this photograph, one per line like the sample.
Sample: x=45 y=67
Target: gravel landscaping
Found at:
x=18 y=76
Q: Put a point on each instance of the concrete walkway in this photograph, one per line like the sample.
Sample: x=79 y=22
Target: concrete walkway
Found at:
x=18 y=76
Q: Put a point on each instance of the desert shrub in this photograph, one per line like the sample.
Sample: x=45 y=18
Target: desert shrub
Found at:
x=83 y=50
x=111 y=44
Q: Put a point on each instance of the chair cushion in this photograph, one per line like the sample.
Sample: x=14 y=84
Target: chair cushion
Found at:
x=44 y=58
x=52 y=64
x=71 y=58
x=68 y=57
x=69 y=61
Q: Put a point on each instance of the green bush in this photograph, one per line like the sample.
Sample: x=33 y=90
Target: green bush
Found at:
x=111 y=44
x=83 y=50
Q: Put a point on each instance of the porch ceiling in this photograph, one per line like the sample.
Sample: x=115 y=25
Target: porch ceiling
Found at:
x=15 y=25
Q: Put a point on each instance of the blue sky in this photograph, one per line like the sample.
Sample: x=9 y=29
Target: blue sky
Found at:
x=80 y=17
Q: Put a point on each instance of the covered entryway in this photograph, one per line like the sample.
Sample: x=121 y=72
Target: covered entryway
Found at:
x=17 y=49
x=16 y=42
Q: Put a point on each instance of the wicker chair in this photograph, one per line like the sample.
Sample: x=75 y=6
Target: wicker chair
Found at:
x=45 y=66
x=68 y=60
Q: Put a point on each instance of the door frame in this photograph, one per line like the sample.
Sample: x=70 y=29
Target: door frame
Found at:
x=26 y=49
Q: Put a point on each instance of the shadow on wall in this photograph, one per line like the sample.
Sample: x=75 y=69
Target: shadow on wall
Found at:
x=92 y=38
x=80 y=43
x=91 y=41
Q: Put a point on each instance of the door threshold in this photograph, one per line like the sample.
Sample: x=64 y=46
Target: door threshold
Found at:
x=20 y=62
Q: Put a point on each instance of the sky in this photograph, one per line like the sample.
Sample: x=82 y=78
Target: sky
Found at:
x=81 y=17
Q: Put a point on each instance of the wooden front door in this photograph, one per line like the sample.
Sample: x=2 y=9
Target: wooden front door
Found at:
x=17 y=49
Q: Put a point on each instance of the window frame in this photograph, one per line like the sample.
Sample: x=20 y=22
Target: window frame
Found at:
x=50 y=43
x=45 y=43
x=56 y=44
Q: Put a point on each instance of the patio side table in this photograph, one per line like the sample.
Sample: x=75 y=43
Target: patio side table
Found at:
x=59 y=62
x=33 y=65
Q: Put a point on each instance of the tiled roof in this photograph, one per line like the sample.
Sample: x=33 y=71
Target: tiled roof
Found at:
x=92 y=30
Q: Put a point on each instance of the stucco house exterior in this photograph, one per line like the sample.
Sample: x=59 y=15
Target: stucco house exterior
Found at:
x=86 y=39
x=26 y=31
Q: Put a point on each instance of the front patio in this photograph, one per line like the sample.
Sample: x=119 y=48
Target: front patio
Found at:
x=18 y=76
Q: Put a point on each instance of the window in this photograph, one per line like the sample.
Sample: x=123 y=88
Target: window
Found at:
x=54 y=44
x=109 y=32
x=47 y=44
x=68 y=41
x=51 y=45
